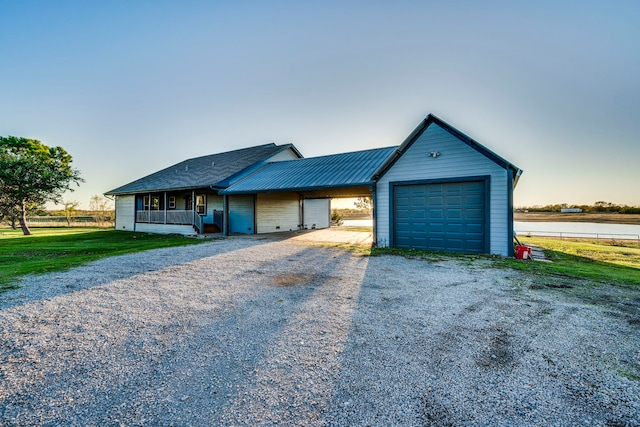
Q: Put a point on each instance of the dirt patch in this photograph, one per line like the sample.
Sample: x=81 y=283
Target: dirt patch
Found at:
x=497 y=353
x=293 y=279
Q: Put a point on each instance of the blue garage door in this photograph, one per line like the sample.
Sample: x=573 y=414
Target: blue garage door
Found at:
x=446 y=216
x=241 y=213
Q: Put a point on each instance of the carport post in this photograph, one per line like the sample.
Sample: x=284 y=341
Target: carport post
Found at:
x=374 y=236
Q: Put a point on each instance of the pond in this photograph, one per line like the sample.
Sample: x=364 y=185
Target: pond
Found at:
x=560 y=229
x=578 y=229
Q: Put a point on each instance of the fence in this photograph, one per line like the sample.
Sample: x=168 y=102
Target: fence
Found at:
x=580 y=235
x=61 y=221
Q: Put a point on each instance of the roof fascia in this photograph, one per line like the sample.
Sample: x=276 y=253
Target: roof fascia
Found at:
x=155 y=190
x=297 y=189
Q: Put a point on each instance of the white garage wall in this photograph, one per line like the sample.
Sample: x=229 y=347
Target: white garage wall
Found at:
x=317 y=213
x=456 y=160
x=277 y=212
x=126 y=213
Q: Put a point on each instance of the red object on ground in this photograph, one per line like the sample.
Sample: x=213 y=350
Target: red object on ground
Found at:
x=523 y=252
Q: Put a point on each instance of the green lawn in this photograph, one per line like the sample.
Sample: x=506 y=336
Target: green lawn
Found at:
x=598 y=261
x=55 y=249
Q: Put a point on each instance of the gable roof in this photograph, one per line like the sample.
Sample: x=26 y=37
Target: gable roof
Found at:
x=202 y=172
x=428 y=121
x=314 y=173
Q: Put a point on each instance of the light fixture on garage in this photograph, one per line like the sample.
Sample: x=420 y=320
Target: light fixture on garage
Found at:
x=434 y=154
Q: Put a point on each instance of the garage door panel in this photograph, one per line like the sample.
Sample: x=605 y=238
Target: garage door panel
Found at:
x=436 y=214
x=435 y=202
x=475 y=214
x=451 y=200
x=453 y=214
x=441 y=216
x=436 y=227
x=403 y=226
x=474 y=229
x=454 y=228
x=474 y=200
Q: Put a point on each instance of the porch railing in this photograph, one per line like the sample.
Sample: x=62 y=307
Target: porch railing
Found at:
x=169 y=217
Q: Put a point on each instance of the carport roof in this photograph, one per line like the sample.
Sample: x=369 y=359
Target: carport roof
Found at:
x=315 y=173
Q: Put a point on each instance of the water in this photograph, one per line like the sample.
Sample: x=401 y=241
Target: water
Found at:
x=578 y=229
x=564 y=229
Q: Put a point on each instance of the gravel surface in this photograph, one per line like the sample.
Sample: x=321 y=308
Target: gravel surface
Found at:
x=251 y=331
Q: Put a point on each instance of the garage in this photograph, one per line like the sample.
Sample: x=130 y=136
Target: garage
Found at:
x=443 y=191
x=442 y=216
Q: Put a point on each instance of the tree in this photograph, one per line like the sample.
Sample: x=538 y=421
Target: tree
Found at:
x=70 y=207
x=32 y=174
x=365 y=203
x=7 y=212
x=100 y=208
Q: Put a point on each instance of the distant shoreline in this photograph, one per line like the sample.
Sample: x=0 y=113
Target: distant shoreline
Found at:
x=610 y=218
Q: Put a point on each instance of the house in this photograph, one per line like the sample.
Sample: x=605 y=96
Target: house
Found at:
x=438 y=190
x=184 y=198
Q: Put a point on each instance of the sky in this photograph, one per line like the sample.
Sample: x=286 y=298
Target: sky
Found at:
x=131 y=87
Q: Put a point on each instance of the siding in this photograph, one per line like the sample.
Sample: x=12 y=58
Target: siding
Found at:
x=317 y=213
x=214 y=202
x=277 y=212
x=456 y=160
x=125 y=213
x=241 y=211
x=287 y=154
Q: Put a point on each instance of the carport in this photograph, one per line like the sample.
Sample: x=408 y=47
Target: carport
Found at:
x=296 y=194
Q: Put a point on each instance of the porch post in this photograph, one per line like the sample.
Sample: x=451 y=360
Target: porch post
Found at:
x=225 y=215
x=165 y=207
x=193 y=207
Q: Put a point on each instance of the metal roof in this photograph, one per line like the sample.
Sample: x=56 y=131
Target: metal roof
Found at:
x=313 y=173
x=201 y=172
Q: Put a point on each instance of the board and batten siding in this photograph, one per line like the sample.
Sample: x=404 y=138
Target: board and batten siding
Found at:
x=125 y=213
x=456 y=160
x=277 y=212
x=317 y=213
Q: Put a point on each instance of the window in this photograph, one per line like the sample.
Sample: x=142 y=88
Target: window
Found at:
x=155 y=203
x=172 y=202
x=145 y=203
x=201 y=204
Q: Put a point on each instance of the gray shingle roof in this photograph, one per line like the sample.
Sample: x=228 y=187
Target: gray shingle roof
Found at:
x=201 y=172
x=338 y=170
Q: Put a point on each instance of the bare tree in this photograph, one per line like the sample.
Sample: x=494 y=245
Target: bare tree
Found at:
x=101 y=209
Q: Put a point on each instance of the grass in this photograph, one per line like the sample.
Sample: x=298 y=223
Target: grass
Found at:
x=600 y=262
x=597 y=261
x=56 y=249
x=357 y=228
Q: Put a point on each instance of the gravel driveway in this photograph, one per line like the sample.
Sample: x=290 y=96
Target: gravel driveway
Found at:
x=251 y=331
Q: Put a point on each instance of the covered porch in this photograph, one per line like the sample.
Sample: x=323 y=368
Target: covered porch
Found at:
x=194 y=209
